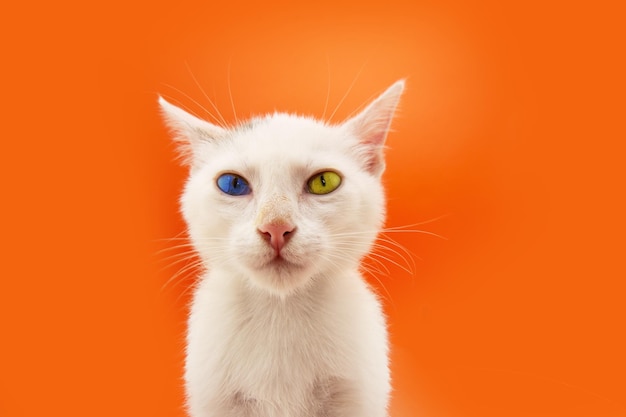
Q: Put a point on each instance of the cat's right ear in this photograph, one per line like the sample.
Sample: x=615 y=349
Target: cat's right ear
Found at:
x=191 y=133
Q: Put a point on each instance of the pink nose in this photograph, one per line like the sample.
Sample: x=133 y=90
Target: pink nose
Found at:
x=276 y=234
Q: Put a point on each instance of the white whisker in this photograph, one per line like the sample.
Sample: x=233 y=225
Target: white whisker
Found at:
x=230 y=94
x=383 y=270
x=424 y=232
x=348 y=92
x=389 y=298
x=197 y=103
x=374 y=275
x=175 y=248
x=223 y=121
x=327 y=89
x=185 y=272
x=177 y=259
x=432 y=220
x=410 y=255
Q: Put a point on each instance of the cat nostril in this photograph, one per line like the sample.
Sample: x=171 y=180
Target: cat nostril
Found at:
x=287 y=235
x=266 y=235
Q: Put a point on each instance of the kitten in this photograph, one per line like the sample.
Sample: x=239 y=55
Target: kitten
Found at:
x=281 y=210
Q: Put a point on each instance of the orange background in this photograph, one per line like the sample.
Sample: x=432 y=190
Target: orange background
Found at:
x=512 y=128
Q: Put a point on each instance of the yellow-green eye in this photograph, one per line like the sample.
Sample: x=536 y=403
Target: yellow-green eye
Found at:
x=324 y=182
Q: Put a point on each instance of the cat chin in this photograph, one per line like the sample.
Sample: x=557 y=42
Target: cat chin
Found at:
x=281 y=277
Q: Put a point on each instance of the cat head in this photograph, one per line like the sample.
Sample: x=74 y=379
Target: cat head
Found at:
x=284 y=200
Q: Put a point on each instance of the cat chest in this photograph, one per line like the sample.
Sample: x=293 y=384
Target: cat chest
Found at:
x=290 y=363
x=266 y=350
x=281 y=347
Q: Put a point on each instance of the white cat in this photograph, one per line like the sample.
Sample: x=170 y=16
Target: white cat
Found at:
x=281 y=210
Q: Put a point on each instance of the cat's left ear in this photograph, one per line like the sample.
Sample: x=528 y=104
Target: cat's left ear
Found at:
x=190 y=132
x=372 y=125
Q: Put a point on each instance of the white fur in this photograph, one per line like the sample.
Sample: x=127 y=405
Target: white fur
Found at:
x=303 y=337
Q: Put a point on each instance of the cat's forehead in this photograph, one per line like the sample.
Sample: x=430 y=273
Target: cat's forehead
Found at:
x=281 y=137
x=283 y=126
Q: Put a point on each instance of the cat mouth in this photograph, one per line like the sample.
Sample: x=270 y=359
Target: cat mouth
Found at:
x=279 y=263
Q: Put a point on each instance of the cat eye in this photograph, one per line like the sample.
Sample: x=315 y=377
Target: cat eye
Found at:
x=323 y=182
x=233 y=184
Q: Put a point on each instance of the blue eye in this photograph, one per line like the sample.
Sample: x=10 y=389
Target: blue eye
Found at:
x=233 y=184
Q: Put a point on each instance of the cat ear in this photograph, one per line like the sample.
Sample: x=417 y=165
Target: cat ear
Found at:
x=190 y=132
x=371 y=127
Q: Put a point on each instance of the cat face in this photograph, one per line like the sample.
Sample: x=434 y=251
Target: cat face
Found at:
x=284 y=200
